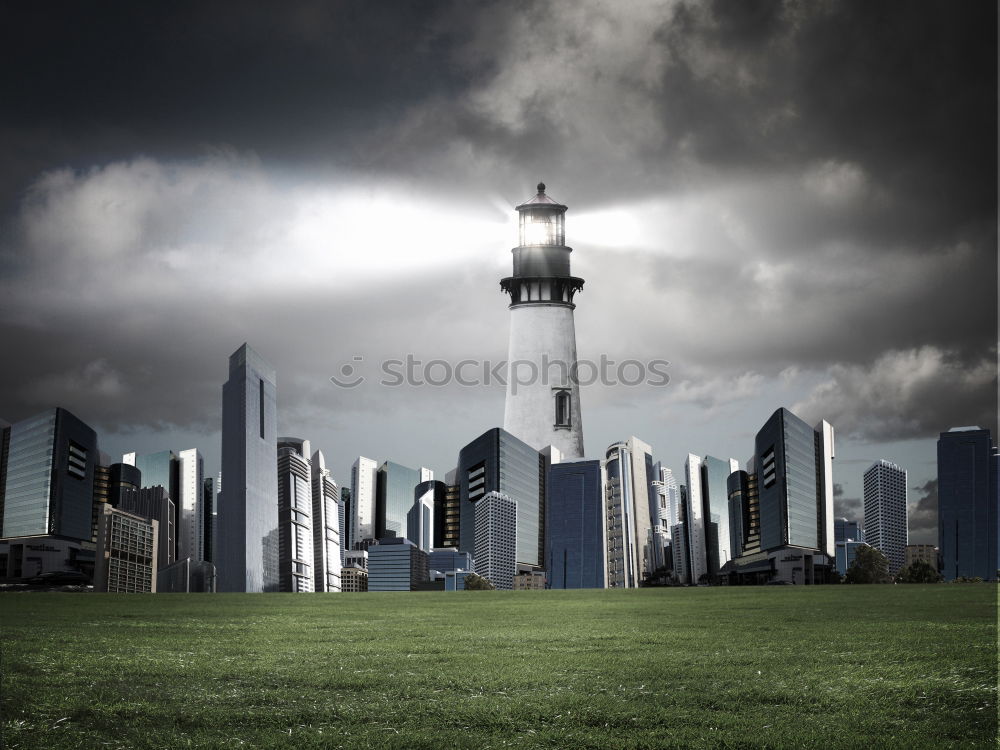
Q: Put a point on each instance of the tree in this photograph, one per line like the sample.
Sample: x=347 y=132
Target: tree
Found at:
x=477 y=583
x=869 y=566
x=919 y=571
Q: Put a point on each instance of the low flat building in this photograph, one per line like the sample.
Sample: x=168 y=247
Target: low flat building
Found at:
x=353 y=579
x=926 y=552
x=530 y=580
x=396 y=564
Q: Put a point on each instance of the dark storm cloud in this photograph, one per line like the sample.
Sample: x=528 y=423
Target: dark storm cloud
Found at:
x=818 y=179
x=850 y=508
x=923 y=520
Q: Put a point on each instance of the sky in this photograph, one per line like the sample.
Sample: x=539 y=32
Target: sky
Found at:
x=795 y=204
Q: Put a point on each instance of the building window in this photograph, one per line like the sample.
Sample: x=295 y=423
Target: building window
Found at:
x=261 y=384
x=563 y=403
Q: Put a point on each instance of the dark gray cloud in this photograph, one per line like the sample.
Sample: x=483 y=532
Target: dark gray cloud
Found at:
x=800 y=203
x=923 y=519
x=851 y=508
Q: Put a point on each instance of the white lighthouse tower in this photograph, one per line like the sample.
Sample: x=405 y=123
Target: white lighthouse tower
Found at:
x=543 y=394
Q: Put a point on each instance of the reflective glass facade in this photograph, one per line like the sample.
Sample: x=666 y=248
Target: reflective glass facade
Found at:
x=497 y=461
x=788 y=483
x=248 y=508
x=715 y=496
x=394 y=498
x=574 y=543
x=49 y=483
x=396 y=564
x=968 y=504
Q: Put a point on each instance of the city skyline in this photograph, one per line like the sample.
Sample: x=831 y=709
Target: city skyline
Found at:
x=778 y=248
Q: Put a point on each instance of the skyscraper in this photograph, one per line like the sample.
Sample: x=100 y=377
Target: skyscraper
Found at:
x=885 y=512
x=496 y=539
x=295 y=522
x=422 y=524
x=394 y=486
x=575 y=544
x=968 y=504
x=497 y=461
x=709 y=519
x=628 y=467
x=363 y=482
x=190 y=508
x=794 y=499
x=328 y=520
x=161 y=469
x=49 y=483
x=248 y=509
x=153 y=503
x=543 y=395
x=208 y=514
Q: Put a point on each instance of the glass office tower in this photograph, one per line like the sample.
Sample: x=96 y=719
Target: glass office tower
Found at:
x=496 y=461
x=394 y=485
x=247 y=538
x=575 y=543
x=49 y=483
x=968 y=504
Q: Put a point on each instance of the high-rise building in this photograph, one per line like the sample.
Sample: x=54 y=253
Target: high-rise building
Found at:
x=543 y=395
x=363 y=484
x=161 y=469
x=295 y=521
x=668 y=497
x=190 y=509
x=247 y=539
x=744 y=513
x=575 y=543
x=794 y=498
x=4 y=456
x=394 y=486
x=709 y=518
x=497 y=461
x=968 y=504
x=208 y=514
x=109 y=482
x=885 y=512
x=126 y=552
x=628 y=468
x=328 y=519
x=346 y=514
x=49 y=483
x=153 y=503
x=422 y=521
x=396 y=564
x=496 y=531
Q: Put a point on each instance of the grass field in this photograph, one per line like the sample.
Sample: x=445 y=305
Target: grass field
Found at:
x=812 y=667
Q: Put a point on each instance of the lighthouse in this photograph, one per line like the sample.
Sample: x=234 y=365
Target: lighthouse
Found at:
x=543 y=393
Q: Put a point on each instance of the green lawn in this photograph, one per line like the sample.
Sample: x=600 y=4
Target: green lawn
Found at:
x=810 y=667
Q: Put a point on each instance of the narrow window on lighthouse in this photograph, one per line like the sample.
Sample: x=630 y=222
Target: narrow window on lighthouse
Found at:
x=562 y=409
